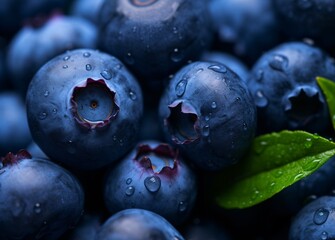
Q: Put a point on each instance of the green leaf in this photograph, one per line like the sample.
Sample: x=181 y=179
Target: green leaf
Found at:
x=275 y=161
x=328 y=88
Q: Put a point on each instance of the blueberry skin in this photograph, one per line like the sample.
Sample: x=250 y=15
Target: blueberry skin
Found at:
x=14 y=129
x=152 y=177
x=316 y=16
x=86 y=9
x=155 y=38
x=248 y=27
x=84 y=109
x=208 y=112
x=315 y=220
x=231 y=61
x=283 y=83
x=39 y=199
x=137 y=224
x=33 y=46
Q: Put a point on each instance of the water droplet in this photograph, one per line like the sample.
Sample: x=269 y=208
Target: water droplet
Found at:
x=176 y=55
x=207 y=118
x=182 y=206
x=308 y=41
x=259 y=75
x=272 y=184
x=213 y=105
x=308 y=143
x=129 y=59
x=152 y=184
x=175 y=30
x=255 y=195
x=106 y=74
x=298 y=176
x=42 y=115
x=130 y=190
x=324 y=235
x=205 y=130
x=37 y=208
x=54 y=110
x=245 y=126
x=218 y=68
x=260 y=99
x=181 y=87
x=304 y=4
x=278 y=173
x=65 y=66
x=118 y=67
x=199 y=70
x=66 y=58
x=88 y=67
x=261 y=147
x=132 y=95
x=129 y=180
x=46 y=93
x=320 y=216
x=86 y=54
x=278 y=62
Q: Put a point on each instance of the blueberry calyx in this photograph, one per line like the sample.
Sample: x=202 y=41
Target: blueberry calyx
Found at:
x=93 y=104
x=11 y=158
x=303 y=105
x=182 y=122
x=161 y=159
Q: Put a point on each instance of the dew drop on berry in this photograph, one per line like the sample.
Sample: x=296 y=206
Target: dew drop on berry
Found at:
x=37 y=208
x=132 y=95
x=86 y=54
x=181 y=87
x=218 y=68
x=260 y=99
x=214 y=105
x=259 y=75
x=182 y=206
x=278 y=62
x=88 y=67
x=176 y=55
x=130 y=190
x=324 y=235
x=66 y=58
x=129 y=180
x=42 y=115
x=129 y=59
x=65 y=66
x=320 y=216
x=106 y=74
x=46 y=93
x=205 y=130
x=152 y=184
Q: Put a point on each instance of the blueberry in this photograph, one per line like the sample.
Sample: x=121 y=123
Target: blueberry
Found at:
x=313 y=19
x=33 y=46
x=137 y=224
x=86 y=9
x=247 y=27
x=153 y=177
x=39 y=199
x=14 y=129
x=154 y=38
x=86 y=228
x=231 y=61
x=208 y=112
x=315 y=220
x=283 y=83
x=84 y=109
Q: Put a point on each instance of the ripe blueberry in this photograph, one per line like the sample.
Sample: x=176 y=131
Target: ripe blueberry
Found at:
x=84 y=109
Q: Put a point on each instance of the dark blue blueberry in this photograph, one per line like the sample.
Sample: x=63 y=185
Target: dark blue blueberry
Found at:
x=229 y=60
x=315 y=220
x=313 y=19
x=86 y=9
x=33 y=46
x=153 y=177
x=154 y=38
x=84 y=109
x=86 y=229
x=249 y=27
x=137 y=224
x=283 y=84
x=208 y=112
x=36 y=151
x=15 y=13
x=39 y=199
x=14 y=130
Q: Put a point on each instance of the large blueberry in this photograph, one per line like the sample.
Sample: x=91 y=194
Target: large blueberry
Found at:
x=137 y=224
x=84 y=109
x=283 y=84
x=153 y=177
x=208 y=112
x=315 y=220
x=86 y=9
x=38 y=199
x=33 y=46
x=14 y=129
x=154 y=38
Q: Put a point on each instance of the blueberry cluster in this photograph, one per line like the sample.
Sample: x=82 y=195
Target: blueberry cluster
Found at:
x=116 y=114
